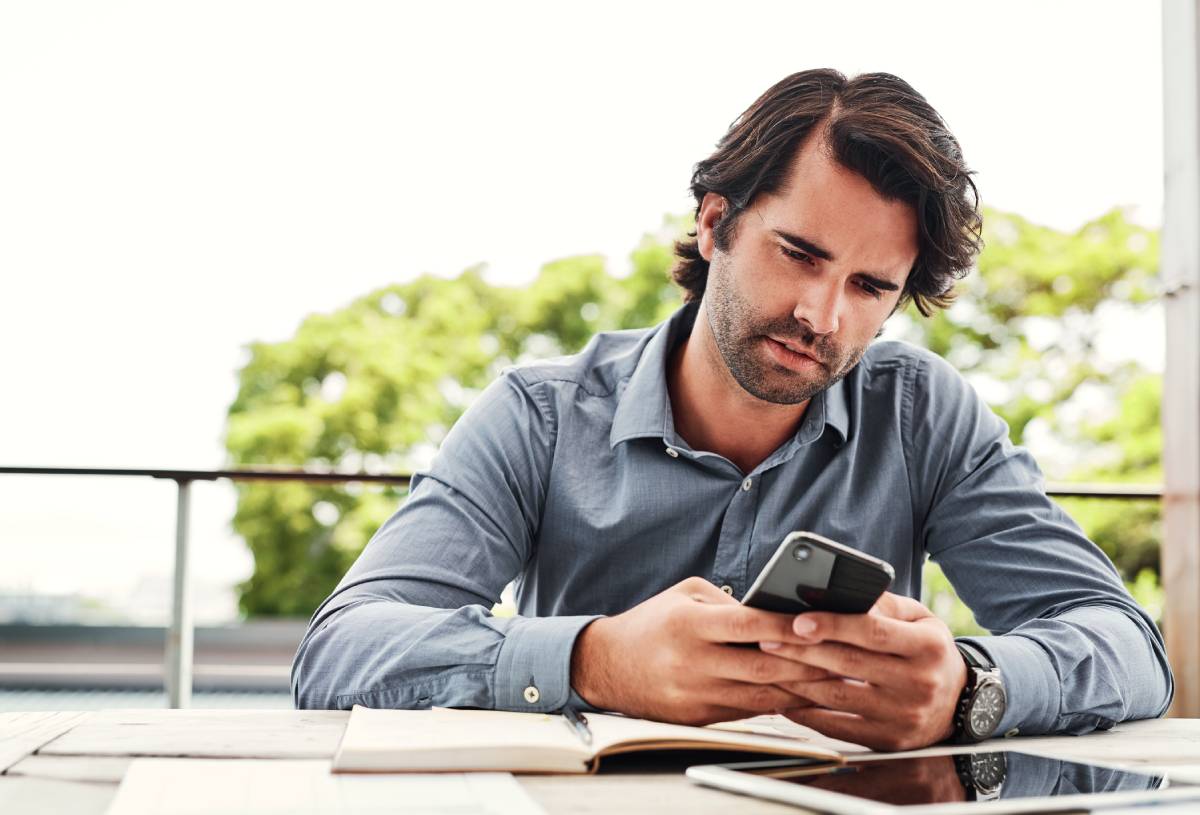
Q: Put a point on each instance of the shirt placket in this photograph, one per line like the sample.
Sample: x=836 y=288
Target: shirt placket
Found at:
x=737 y=529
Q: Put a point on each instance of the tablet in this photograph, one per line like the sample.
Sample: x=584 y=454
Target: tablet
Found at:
x=963 y=782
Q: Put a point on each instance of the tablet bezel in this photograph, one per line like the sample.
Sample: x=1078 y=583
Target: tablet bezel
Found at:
x=724 y=777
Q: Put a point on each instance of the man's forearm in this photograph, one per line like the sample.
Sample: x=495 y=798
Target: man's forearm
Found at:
x=383 y=653
x=1087 y=668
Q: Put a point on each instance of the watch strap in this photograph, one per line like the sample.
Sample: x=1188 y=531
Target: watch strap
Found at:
x=974 y=656
x=966 y=777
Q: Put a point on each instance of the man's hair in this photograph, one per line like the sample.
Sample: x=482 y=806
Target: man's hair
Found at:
x=875 y=125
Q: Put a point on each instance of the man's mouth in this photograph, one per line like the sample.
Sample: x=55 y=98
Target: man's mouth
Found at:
x=797 y=348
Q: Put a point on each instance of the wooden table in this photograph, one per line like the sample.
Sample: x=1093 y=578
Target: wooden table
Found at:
x=73 y=762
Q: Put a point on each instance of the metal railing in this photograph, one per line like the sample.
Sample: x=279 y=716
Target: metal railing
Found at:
x=180 y=633
x=179 y=644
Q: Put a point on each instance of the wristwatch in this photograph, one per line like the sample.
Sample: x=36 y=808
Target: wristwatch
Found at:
x=982 y=702
x=982 y=775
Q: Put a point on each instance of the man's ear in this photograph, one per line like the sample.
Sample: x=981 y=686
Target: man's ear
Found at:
x=713 y=208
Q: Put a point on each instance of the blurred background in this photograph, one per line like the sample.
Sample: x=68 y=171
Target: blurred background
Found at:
x=286 y=234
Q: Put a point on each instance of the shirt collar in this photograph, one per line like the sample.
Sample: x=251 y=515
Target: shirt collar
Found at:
x=644 y=406
x=837 y=405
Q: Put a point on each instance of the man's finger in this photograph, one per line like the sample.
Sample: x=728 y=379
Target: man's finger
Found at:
x=871 y=631
x=845 y=695
x=703 y=591
x=900 y=607
x=848 y=661
x=740 y=623
x=756 y=667
x=758 y=699
x=717 y=713
x=836 y=724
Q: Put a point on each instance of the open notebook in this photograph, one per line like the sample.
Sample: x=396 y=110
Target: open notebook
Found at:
x=445 y=740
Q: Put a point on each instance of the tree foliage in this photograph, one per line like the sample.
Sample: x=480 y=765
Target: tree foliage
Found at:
x=1027 y=330
x=376 y=384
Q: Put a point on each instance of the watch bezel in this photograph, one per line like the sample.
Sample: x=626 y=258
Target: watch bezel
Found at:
x=966 y=768
x=983 y=680
x=985 y=789
x=981 y=673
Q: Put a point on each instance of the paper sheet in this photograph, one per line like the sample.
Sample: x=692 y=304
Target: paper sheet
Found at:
x=170 y=786
x=283 y=734
x=23 y=733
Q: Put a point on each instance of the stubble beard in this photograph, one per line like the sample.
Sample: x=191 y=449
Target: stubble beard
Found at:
x=739 y=332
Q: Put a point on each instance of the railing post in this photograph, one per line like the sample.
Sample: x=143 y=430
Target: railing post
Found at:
x=179 y=635
x=1181 y=381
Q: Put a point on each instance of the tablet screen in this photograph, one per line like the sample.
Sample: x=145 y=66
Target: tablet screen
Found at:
x=955 y=778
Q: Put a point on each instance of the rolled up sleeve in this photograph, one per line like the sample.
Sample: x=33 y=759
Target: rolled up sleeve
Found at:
x=410 y=625
x=1075 y=650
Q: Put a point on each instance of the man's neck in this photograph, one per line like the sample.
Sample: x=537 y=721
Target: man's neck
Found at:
x=714 y=413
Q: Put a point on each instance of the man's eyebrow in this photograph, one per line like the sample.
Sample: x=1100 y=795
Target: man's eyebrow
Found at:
x=805 y=245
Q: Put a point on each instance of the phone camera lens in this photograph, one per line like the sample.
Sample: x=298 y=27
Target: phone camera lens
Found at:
x=801 y=552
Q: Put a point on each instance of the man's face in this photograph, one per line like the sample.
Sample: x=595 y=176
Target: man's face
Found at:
x=811 y=275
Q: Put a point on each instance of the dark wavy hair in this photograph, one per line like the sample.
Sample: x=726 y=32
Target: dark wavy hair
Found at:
x=879 y=127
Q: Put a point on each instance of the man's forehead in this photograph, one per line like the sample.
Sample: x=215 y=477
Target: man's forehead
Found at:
x=838 y=211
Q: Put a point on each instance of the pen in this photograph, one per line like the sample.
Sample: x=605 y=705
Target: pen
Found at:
x=578 y=723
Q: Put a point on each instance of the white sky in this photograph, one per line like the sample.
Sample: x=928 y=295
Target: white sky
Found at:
x=179 y=179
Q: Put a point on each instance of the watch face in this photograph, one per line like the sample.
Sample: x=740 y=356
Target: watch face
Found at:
x=988 y=771
x=987 y=708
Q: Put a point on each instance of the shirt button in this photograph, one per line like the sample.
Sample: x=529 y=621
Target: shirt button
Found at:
x=749 y=482
x=532 y=695
x=672 y=452
x=727 y=589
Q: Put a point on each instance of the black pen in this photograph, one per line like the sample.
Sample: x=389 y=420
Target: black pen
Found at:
x=578 y=723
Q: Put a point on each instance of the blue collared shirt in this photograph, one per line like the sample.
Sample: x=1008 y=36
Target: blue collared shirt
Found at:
x=568 y=477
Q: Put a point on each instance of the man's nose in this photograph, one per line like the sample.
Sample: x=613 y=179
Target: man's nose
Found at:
x=818 y=306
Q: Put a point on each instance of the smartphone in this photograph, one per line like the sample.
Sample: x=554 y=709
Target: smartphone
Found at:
x=812 y=573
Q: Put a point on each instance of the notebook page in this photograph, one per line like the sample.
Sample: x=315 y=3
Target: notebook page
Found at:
x=612 y=731
x=443 y=738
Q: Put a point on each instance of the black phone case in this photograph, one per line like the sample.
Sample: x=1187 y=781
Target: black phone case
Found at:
x=852 y=588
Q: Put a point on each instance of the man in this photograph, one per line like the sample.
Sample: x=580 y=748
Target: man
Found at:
x=635 y=489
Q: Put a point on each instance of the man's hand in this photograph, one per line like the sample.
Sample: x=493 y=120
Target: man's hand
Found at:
x=670 y=658
x=895 y=674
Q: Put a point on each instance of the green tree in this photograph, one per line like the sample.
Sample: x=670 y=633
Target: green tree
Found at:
x=376 y=385
x=1025 y=330
x=1025 y=326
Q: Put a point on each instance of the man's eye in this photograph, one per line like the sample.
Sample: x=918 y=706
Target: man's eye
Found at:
x=803 y=257
x=869 y=289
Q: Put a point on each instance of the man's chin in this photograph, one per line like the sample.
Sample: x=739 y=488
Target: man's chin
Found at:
x=761 y=375
x=793 y=393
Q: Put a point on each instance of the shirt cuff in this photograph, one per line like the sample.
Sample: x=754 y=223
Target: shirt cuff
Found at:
x=579 y=703
x=533 y=671
x=1031 y=686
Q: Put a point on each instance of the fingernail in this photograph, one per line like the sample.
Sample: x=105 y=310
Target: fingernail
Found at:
x=771 y=646
x=803 y=626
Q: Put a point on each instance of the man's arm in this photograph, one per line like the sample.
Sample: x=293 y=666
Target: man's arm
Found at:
x=410 y=624
x=1075 y=651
